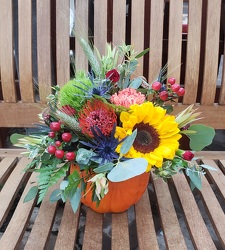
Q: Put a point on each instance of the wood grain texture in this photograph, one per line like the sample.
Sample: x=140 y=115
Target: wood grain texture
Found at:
x=11 y=188
x=41 y=230
x=147 y=238
x=211 y=52
x=81 y=22
x=175 y=39
x=62 y=41
x=44 y=48
x=137 y=31
x=7 y=52
x=156 y=39
x=196 y=226
x=6 y=166
x=193 y=51
x=93 y=230
x=171 y=229
x=100 y=25
x=15 y=230
x=25 y=50
x=120 y=227
x=119 y=22
x=222 y=88
x=66 y=238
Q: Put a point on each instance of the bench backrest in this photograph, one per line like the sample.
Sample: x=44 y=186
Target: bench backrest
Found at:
x=35 y=46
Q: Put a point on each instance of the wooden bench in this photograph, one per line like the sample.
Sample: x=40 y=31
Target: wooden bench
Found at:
x=168 y=216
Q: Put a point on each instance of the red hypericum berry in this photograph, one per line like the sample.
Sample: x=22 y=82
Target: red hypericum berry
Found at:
x=55 y=126
x=181 y=92
x=58 y=143
x=66 y=137
x=51 y=134
x=156 y=86
x=59 y=153
x=70 y=156
x=175 y=87
x=163 y=95
x=51 y=150
x=171 y=80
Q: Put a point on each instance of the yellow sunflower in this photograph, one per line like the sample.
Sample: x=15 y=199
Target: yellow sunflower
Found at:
x=157 y=133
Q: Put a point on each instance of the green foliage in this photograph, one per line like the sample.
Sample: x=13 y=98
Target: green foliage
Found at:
x=75 y=200
x=104 y=168
x=127 y=144
x=32 y=193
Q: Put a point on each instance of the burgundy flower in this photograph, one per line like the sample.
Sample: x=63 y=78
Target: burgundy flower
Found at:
x=113 y=75
x=188 y=155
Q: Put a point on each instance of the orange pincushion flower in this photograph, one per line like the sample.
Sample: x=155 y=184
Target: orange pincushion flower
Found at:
x=97 y=113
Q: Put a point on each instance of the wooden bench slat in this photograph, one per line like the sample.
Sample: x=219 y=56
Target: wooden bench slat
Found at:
x=145 y=226
x=120 y=227
x=62 y=41
x=6 y=166
x=156 y=38
x=15 y=230
x=100 y=20
x=11 y=188
x=222 y=88
x=66 y=238
x=211 y=52
x=175 y=39
x=41 y=230
x=197 y=228
x=119 y=22
x=172 y=232
x=137 y=31
x=81 y=22
x=93 y=230
x=25 y=50
x=7 y=52
x=44 y=49
x=193 y=51
x=214 y=209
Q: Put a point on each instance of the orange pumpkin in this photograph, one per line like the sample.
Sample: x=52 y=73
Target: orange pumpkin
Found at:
x=121 y=195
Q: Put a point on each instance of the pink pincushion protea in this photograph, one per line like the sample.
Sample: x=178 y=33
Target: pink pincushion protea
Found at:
x=127 y=97
x=97 y=113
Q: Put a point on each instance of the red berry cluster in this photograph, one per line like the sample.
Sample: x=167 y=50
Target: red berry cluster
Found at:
x=57 y=148
x=172 y=91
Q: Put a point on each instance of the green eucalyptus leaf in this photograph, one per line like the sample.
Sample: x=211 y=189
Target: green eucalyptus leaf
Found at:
x=63 y=185
x=136 y=83
x=104 y=168
x=196 y=180
x=127 y=144
x=202 y=138
x=142 y=53
x=128 y=169
x=75 y=200
x=31 y=194
x=55 y=195
x=208 y=167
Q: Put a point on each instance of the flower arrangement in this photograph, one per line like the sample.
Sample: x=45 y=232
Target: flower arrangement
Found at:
x=109 y=128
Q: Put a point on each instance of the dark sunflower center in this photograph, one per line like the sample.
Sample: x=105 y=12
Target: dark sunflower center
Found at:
x=147 y=138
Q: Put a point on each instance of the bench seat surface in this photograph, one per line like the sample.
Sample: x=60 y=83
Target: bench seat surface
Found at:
x=168 y=216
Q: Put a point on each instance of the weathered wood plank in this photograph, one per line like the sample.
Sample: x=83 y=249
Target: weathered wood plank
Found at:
x=172 y=232
x=11 y=188
x=6 y=166
x=222 y=90
x=119 y=22
x=62 y=41
x=156 y=39
x=44 y=48
x=7 y=51
x=193 y=51
x=175 y=39
x=66 y=238
x=137 y=31
x=41 y=230
x=211 y=52
x=197 y=228
x=93 y=230
x=145 y=226
x=120 y=227
x=25 y=50
x=81 y=22
x=100 y=25
x=14 y=233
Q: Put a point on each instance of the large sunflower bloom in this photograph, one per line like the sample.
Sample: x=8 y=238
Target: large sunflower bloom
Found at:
x=157 y=133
